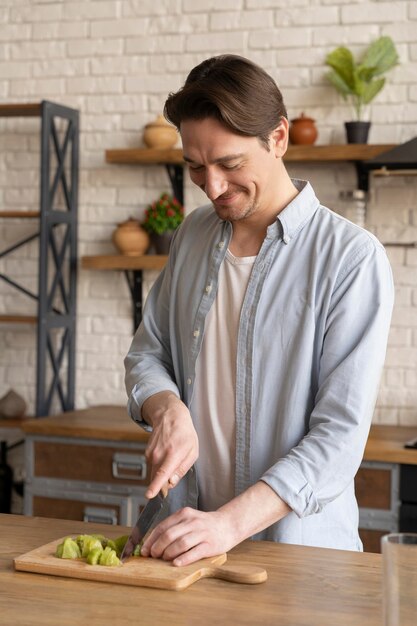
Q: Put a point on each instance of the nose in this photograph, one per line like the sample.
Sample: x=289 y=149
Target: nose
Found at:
x=215 y=184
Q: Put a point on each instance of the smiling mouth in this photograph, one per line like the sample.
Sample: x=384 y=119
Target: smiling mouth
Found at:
x=226 y=200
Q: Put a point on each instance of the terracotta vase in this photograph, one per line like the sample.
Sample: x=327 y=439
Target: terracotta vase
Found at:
x=130 y=238
x=159 y=134
x=303 y=130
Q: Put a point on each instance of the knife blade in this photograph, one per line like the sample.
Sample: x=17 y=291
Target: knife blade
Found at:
x=146 y=520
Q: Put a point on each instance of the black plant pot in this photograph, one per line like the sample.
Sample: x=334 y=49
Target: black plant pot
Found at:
x=162 y=243
x=357 y=132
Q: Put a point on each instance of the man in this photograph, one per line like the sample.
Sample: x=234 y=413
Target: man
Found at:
x=257 y=364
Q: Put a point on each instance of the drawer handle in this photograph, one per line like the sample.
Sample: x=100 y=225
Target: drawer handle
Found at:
x=98 y=515
x=129 y=466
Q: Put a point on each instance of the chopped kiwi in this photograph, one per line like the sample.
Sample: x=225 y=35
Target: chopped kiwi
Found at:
x=96 y=549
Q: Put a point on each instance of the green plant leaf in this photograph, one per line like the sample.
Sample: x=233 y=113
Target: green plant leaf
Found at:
x=372 y=89
x=365 y=73
x=342 y=62
x=339 y=83
x=358 y=84
x=381 y=56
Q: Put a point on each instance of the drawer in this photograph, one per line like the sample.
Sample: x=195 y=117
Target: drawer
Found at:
x=83 y=506
x=377 y=492
x=377 y=486
x=373 y=488
x=76 y=510
x=109 y=464
x=371 y=539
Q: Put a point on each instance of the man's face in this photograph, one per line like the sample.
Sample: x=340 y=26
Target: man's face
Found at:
x=237 y=173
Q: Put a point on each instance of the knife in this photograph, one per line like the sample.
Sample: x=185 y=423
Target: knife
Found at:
x=146 y=520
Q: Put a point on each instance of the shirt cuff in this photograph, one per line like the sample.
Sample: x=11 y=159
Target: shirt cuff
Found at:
x=292 y=487
x=137 y=398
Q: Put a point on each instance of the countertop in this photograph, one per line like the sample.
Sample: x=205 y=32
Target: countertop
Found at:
x=305 y=587
x=99 y=422
x=385 y=443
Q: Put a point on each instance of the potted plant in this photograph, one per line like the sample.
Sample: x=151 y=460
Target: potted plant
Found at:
x=162 y=217
x=359 y=82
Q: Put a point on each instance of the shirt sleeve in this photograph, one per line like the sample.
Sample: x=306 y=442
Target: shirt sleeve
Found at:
x=148 y=364
x=358 y=318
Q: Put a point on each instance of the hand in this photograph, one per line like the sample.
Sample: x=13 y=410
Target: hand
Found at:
x=173 y=445
x=190 y=535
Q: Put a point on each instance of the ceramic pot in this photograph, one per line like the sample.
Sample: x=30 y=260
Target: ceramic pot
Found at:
x=130 y=238
x=357 y=132
x=12 y=405
x=159 y=134
x=303 y=130
x=162 y=243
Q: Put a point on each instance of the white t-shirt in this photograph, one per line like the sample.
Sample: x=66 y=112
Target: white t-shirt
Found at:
x=213 y=403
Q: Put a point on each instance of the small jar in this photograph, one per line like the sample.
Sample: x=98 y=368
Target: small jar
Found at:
x=130 y=238
x=303 y=130
x=159 y=134
x=353 y=206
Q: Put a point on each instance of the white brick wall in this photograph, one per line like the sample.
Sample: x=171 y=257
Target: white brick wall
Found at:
x=116 y=61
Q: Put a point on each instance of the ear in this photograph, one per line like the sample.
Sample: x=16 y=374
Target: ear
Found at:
x=279 y=138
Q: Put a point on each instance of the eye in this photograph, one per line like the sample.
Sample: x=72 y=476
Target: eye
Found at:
x=196 y=168
x=229 y=167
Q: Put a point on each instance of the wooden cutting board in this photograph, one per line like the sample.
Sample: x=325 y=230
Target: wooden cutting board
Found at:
x=138 y=571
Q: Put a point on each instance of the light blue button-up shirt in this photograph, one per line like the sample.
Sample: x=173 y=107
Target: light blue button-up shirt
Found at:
x=311 y=346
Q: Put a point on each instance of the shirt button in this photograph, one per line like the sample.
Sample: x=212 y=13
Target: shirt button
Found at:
x=221 y=245
x=189 y=381
x=196 y=332
x=208 y=289
x=286 y=238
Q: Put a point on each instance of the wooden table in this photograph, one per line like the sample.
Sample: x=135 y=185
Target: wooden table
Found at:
x=305 y=587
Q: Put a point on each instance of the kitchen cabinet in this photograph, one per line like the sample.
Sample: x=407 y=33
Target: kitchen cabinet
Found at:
x=86 y=465
x=386 y=485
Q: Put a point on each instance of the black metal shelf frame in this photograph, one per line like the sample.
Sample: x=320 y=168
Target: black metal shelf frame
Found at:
x=57 y=277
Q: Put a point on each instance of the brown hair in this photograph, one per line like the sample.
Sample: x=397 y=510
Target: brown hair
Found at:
x=233 y=90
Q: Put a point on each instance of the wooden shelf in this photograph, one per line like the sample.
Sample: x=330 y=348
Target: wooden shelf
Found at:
x=32 y=109
x=145 y=156
x=121 y=262
x=20 y=214
x=18 y=319
x=342 y=152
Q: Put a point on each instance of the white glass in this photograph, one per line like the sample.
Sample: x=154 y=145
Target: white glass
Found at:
x=399 y=579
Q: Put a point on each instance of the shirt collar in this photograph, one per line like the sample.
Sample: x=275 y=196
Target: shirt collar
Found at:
x=293 y=217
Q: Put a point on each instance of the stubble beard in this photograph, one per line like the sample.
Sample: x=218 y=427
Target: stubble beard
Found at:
x=235 y=214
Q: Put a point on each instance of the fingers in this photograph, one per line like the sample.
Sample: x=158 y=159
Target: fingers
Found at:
x=183 y=538
x=164 y=534
x=169 y=472
x=172 y=448
x=200 y=551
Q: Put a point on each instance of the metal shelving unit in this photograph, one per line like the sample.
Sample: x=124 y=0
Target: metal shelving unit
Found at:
x=57 y=235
